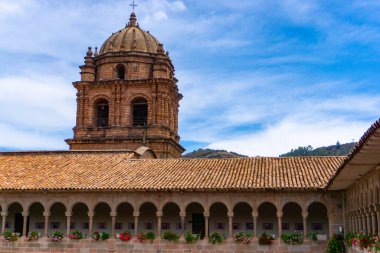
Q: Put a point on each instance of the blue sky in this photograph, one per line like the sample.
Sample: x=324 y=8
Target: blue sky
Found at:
x=258 y=77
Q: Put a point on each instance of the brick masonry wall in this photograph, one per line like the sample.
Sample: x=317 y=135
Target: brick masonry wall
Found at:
x=158 y=246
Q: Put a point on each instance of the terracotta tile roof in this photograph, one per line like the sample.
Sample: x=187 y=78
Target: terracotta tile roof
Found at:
x=116 y=171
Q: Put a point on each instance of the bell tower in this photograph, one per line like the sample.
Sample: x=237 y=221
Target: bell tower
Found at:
x=128 y=96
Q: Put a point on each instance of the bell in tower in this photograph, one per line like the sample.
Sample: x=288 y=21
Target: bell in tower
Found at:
x=128 y=96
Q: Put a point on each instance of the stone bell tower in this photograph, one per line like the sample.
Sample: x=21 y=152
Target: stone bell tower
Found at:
x=128 y=96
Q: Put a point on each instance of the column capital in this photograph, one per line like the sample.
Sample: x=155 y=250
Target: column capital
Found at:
x=230 y=214
x=91 y=214
x=255 y=214
x=46 y=214
x=4 y=213
x=279 y=214
x=136 y=214
x=69 y=214
x=159 y=214
x=25 y=214
x=182 y=214
x=305 y=214
x=113 y=214
x=206 y=214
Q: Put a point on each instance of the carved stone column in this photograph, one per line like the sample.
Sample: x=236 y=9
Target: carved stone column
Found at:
x=4 y=220
x=182 y=215
x=255 y=215
x=331 y=222
x=206 y=215
x=113 y=221
x=304 y=217
x=373 y=220
x=90 y=222
x=25 y=223
x=378 y=217
x=279 y=219
x=136 y=216
x=68 y=221
x=159 y=218
x=368 y=219
x=46 y=227
x=230 y=220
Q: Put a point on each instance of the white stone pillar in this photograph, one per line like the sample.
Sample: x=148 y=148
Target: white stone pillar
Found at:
x=46 y=227
x=159 y=219
x=25 y=223
x=68 y=221
x=254 y=216
x=113 y=221
x=4 y=220
x=331 y=222
x=182 y=215
x=377 y=209
x=206 y=215
x=304 y=217
x=90 y=222
x=373 y=222
x=230 y=220
x=136 y=216
x=368 y=219
x=279 y=219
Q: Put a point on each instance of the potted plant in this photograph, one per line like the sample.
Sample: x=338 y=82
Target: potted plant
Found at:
x=171 y=236
x=334 y=246
x=57 y=236
x=190 y=238
x=216 y=237
x=126 y=236
x=9 y=236
x=292 y=238
x=103 y=235
x=265 y=239
x=243 y=237
x=76 y=235
x=33 y=235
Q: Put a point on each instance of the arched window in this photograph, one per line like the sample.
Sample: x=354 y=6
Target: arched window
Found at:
x=101 y=113
x=120 y=72
x=140 y=112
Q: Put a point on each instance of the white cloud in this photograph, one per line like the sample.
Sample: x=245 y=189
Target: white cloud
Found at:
x=289 y=133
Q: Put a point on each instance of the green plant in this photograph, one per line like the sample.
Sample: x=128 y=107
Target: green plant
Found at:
x=215 y=237
x=292 y=238
x=190 y=238
x=32 y=236
x=243 y=237
x=265 y=239
x=350 y=239
x=171 y=236
x=150 y=236
x=57 y=236
x=313 y=236
x=104 y=236
x=8 y=236
x=77 y=235
x=334 y=246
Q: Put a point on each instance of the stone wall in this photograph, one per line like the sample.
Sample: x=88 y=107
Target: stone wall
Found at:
x=158 y=246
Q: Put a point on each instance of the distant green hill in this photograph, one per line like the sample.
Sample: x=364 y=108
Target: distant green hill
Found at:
x=334 y=150
x=212 y=153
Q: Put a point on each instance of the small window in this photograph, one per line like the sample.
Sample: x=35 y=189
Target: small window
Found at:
x=140 y=112
x=102 y=111
x=121 y=72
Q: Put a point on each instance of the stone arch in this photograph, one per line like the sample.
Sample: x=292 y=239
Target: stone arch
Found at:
x=237 y=202
x=102 y=217
x=317 y=220
x=138 y=95
x=171 y=220
x=70 y=207
x=195 y=216
x=263 y=201
x=79 y=218
x=292 y=217
x=148 y=216
x=221 y=202
x=15 y=202
x=15 y=216
x=152 y=201
x=124 y=217
x=218 y=217
x=57 y=217
x=188 y=203
x=242 y=219
x=267 y=218
x=319 y=200
x=36 y=216
x=35 y=202
x=296 y=201
x=121 y=71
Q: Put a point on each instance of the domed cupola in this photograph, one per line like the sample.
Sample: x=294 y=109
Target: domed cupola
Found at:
x=128 y=96
x=131 y=38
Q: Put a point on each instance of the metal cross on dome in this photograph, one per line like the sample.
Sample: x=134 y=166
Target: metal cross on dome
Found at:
x=133 y=5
